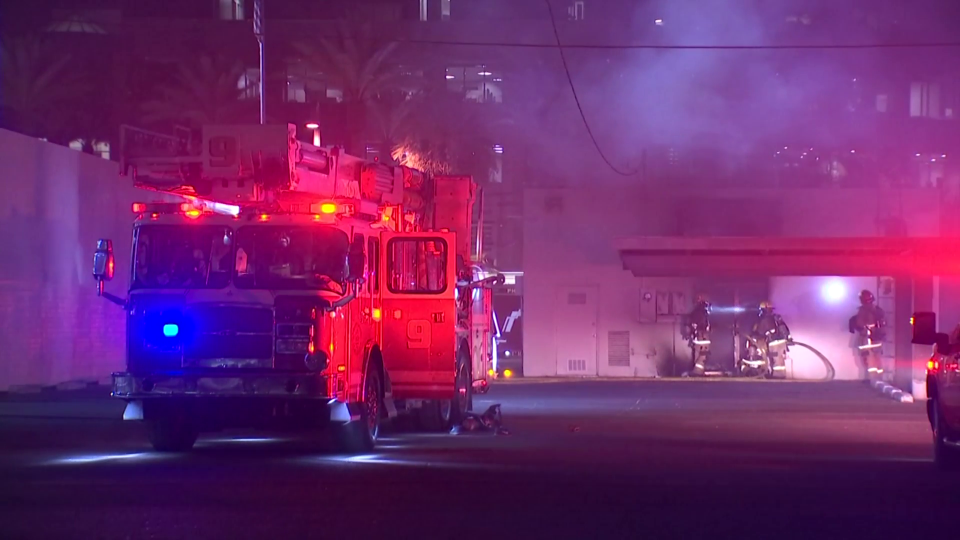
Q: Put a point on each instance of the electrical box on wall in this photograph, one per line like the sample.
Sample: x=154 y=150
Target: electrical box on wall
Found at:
x=680 y=305
x=662 y=306
x=648 y=307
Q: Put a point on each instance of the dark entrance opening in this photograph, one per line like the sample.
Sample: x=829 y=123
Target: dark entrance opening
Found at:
x=735 y=304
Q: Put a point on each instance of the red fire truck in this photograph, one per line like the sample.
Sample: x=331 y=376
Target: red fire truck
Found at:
x=276 y=283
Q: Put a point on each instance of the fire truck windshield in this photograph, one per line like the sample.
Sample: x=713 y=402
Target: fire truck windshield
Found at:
x=182 y=257
x=291 y=257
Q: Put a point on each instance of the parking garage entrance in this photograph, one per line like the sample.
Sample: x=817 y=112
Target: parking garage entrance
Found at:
x=815 y=281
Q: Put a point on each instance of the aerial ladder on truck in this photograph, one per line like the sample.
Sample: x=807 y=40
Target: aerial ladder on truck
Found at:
x=274 y=282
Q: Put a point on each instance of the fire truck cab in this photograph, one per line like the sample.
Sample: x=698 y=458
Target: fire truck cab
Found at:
x=278 y=284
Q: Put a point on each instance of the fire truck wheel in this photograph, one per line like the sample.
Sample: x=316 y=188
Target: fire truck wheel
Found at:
x=171 y=431
x=464 y=388
x=434 y=415
x=361 y=436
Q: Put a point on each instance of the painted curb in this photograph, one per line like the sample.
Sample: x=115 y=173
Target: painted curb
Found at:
x=66 y=386
x=25 y=389
x=893 y=392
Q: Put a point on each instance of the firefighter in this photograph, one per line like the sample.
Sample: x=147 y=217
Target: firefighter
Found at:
x=868 y=325
x=697 y=333
x=288 y=261
x=773 y=335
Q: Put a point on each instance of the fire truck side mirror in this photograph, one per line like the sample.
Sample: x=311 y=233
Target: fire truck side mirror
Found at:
x=355 y=260
x=103 y=261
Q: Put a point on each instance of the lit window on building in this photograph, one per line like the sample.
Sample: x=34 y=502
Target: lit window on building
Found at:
x=477 y=83
x=98 y=148
x=575 y=11
x=445 y=10
x=296 y=90
x=925 y=100
x=249 y=84
x=882 y=101
x=231 y=10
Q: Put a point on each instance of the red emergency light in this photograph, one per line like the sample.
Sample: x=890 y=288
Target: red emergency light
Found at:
x=155 y=209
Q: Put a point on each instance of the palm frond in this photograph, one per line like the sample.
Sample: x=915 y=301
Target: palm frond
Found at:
x=205 y=91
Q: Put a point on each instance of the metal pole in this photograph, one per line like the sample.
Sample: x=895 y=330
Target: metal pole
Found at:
x=480 y=227
x=258 y=31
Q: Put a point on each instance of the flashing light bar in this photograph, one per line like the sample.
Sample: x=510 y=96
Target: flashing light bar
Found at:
x=161 y=208
x=192 y=209
x=212 y=206
x=328 y=208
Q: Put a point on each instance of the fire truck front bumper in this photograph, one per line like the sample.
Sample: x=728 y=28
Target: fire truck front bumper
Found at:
x=159 y=385
x=135 y=389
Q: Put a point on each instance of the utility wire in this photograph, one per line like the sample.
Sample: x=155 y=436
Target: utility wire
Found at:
x=795 y=46
x=566 y=69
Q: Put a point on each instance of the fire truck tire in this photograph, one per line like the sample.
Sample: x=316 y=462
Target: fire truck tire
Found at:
x=434 y=416
x=438 y=416
x=361 y=436
x=171 y=431
x=464 y=387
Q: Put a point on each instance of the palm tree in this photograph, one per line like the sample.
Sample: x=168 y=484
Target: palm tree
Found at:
x=355 y=61
x=206 y=91
x=361 y=66
x=36 y=84
x=443 y=134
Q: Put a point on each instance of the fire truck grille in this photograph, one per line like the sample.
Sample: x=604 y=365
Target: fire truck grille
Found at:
x=229 y=336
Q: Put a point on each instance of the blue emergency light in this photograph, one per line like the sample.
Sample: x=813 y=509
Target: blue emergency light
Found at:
x=171 y=330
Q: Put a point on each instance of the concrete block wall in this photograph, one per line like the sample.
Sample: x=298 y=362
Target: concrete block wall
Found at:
x=57 y=203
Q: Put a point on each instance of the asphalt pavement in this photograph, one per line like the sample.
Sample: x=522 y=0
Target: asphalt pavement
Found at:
x=600 y=459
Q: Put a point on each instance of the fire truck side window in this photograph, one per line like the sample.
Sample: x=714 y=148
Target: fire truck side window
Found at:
x=417 y=266
x=373 y=265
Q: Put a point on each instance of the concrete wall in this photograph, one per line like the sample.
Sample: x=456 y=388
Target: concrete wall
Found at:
x=56 y=203
x=568 y=243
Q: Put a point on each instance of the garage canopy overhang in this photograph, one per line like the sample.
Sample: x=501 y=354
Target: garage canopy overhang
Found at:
x=755 y=257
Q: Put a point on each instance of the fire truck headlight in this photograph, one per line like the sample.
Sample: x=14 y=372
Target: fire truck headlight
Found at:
x=316 y=361
x=506 y=353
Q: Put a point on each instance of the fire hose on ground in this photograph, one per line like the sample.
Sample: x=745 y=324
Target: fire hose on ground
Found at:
x=831 y=371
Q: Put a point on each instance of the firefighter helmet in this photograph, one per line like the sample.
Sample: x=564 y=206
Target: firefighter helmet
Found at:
x=766 y=306
x=866 y=297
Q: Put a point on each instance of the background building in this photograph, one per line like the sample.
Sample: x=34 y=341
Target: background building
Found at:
x=609 y=273
x=789 y=118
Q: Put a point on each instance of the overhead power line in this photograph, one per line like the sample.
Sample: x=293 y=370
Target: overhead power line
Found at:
x=576 y=98
x=794 y=46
